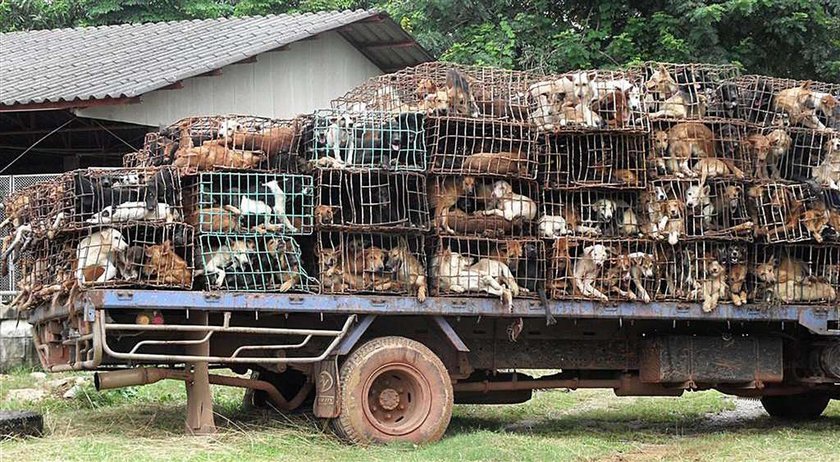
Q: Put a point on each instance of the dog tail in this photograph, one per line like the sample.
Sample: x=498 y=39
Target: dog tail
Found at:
x=232 y=209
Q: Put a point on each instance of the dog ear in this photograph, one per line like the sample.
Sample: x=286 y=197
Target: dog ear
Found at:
x=707 y=190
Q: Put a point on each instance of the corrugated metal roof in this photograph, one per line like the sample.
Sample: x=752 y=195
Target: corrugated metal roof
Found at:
x=131 y=59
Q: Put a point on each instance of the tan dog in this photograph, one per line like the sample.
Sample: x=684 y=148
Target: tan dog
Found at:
x=212 y=155
x=289 y=264
x=799 y=104
x=365 y=267
x=712 y=167
x=455 y=274
x=760 y=151
x=332 y=272
x=216 y=219
x=627 y=269
x=498 y=163
x=737 y=279
x=588 y=267
x=165 y=266
x=445 y=195
x=271 y=142
x=324 y=214
x=684 y=140
x=674 y=211
x=780 y=143
x=714 y=286
x=408 y=270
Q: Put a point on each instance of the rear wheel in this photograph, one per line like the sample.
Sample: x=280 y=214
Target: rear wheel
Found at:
x=796 y=407
x=393 y=389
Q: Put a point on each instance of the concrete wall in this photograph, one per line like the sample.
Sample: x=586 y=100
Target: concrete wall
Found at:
x=281 y=84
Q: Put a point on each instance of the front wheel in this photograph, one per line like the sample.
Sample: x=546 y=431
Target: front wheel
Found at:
x=393 y=389
x=804 y=406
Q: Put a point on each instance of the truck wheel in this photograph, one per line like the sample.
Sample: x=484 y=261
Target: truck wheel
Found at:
x=796 y=407
x=393 y=389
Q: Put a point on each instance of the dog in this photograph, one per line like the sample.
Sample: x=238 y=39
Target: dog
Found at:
x=459 y=96
x=407 y=269
x=779 y=145
x=255 y=202
x=131 y=263
x=616 y=215
x=714 y=286
x=828 y=172
x=507 y=204
x=99 y=252
x=164 y=266
x=674 y=211
x=499 y=271
x=760 y=151
x=324 y=214
x=332 y=273
x=445 y=195
x=697 y=197
x=737 y=279
x=271 y=141
x=651 y=202
x=364 y=268
x=133 y=211
x=551 y=226
x=713 y=167
x=234 y=255
x=627 y=269
x=211 y=155
x=675 y=148
x=515 y=162
x=587 y=268
x=758 y=100
x=613 y=107
x=579 y=87
x=670 y=99
x=281 y=259
x=579 y=115
x=339 y=136
x=455 y=274
x=800 y=105
x=217 y=219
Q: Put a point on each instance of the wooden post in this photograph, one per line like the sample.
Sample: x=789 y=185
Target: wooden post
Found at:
x=199 y=397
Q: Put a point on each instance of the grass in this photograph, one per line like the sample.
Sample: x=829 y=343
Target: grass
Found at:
x=146 y=423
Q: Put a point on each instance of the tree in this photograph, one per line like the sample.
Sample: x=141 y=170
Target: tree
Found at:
x=790 y=38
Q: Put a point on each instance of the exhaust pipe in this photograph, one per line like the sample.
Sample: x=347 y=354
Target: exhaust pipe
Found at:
x=133 y=377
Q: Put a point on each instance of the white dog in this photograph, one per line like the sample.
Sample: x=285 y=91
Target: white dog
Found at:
x=510 y=205
x=234 y=255
x=587 y=268
x=552 y=226
x=499 y=271
x=454 y=274
x=828 y=172
x=133 y=211
x=99 y=250
x=339 y=134
x=579 y=88
x=279 y=205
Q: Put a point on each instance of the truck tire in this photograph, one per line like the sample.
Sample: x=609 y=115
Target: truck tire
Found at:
x=393 y=389
x=803 y=406
x=20 y=423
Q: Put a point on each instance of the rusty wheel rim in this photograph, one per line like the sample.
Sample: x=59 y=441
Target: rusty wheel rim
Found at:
x=397 y=399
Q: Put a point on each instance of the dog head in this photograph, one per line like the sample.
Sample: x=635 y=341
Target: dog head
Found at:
x=697 y=195
x=832 y=146
x=396 y=256
x=229 y=127
x=828 y=103
x=714 y=269
x=468 y=183
x=374 y=259
x=329 y=257
x=672 y=209
x=103 y=217
x=582 y=86
x=605 y=209
x=766 y=272
x=760 y=145
x=113 y=238
x=598 y=253
x=501 y=189
x=643 y=261
x=512 y=249
x=425 y=88
x=324 y=214
x=660 y=142
x=661 y=82
x=732 y=196
x=241 y=251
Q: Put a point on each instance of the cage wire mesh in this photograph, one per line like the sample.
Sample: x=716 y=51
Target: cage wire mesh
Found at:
x=35 y=206
x=715 y=209
x=797 y=274
x=98 y=196
x=481 y=267
x=789 y=212
x=587 y=100
x=238 y=202
x=813 y=157
x=602 y=159
x=697 y=149
x=253 y=263
x=372 y=263
x=591 y=213
x=690 y=91
x=490 y=207
x=367 y=200
x=438 y=88
x=340 y=139
x=602 y=269
x=804 y=104
x=459 y=145
x=157 y=255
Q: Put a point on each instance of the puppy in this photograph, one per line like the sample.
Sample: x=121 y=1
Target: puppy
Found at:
x=407 y=269
x=211 y=155
x=571 y=114
x=271 y=141
x=587 y=268
x=133 y=211
x=216 y=219
x=579 y=87
x=235 y=255
x=613 y=107
x=737 y=278
x=445 y=195
x=131 y=262
x=507 y=204
x=284 y=264
x=99 y=252
x=828 y=172
x=712 y=167
x=552 y=226
x=760 y=151
x=674 y=211
x=454 y=274
x=165 y=267
x=364 y=268
x=332 y=273
x=800 y=105
x=652 y=204
x=461 y=101
x=631 y=268
x=497 y=163
x=676 y=147
x=499 y=271
x=714 y=286
x=670 y=100
x=324 y=214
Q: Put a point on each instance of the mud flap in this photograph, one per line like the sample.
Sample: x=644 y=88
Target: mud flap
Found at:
x=327 y=396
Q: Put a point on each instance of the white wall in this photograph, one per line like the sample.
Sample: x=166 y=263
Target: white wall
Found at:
x=281 y=84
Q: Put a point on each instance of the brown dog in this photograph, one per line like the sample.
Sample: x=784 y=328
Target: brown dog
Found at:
x=212 y=155
x=289 y=272
x=271 y=142
x=760 y=150
x=800 y=105
x=445 y=195
x=216 y=219
x=407 y=269
x=165 y=266
x=714 y=286
x=324 y=214
x=499 y=163
x=613 y=107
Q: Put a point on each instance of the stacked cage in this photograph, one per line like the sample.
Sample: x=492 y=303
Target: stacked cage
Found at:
x=794 y=199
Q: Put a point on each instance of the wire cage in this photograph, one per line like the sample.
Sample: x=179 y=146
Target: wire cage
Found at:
x=690 y=91
x=137 y=159
x=608 y=160
x=367 y=200
x=602 y=269
x=96 y=196
x=229 y=142
x=769 y=101
x=35 y=207
x=707 y=272
x=253 y=263
x=591 y=213
x=481 y=267
x=716 y=209
x=693 y=149
x=372 y=263
x=382 y=140
x=466 y=146
x=796 y=274
x=788 y=212
x=44 y=272
x=238 y=202
x=814 y=156
x=587 y=100
x=438 y=88
x=483 y=206
x=157 y=255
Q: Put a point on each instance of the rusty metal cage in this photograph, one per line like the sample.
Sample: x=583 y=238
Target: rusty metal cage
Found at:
x=591 y=213
x=44 y=272
x=796 y=274
x=117 y=196
x=587 y=100
x=769 y=101
x=142 y=255
x=813 y=157
x=787 y=212
x=770 y=150
x=382 y=140
x=35 y=207
x=608 y=160
x=707 y=272
x=481 y=147
x=483 y=206
x=444 y=89
x=237 y=202
x=372 y=263
x=694 y=149
x=253 y=263
x=716 y=209
x=506 y=268
x=602 y=269
x=367 y=200
x=690 y=91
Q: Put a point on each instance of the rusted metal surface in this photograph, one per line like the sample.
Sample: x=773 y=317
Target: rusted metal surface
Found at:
x=694 y=359
x=350 y=340
x=451 y=335
x=325 y=375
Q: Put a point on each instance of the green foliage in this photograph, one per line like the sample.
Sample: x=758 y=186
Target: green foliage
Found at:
x=791 y=38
